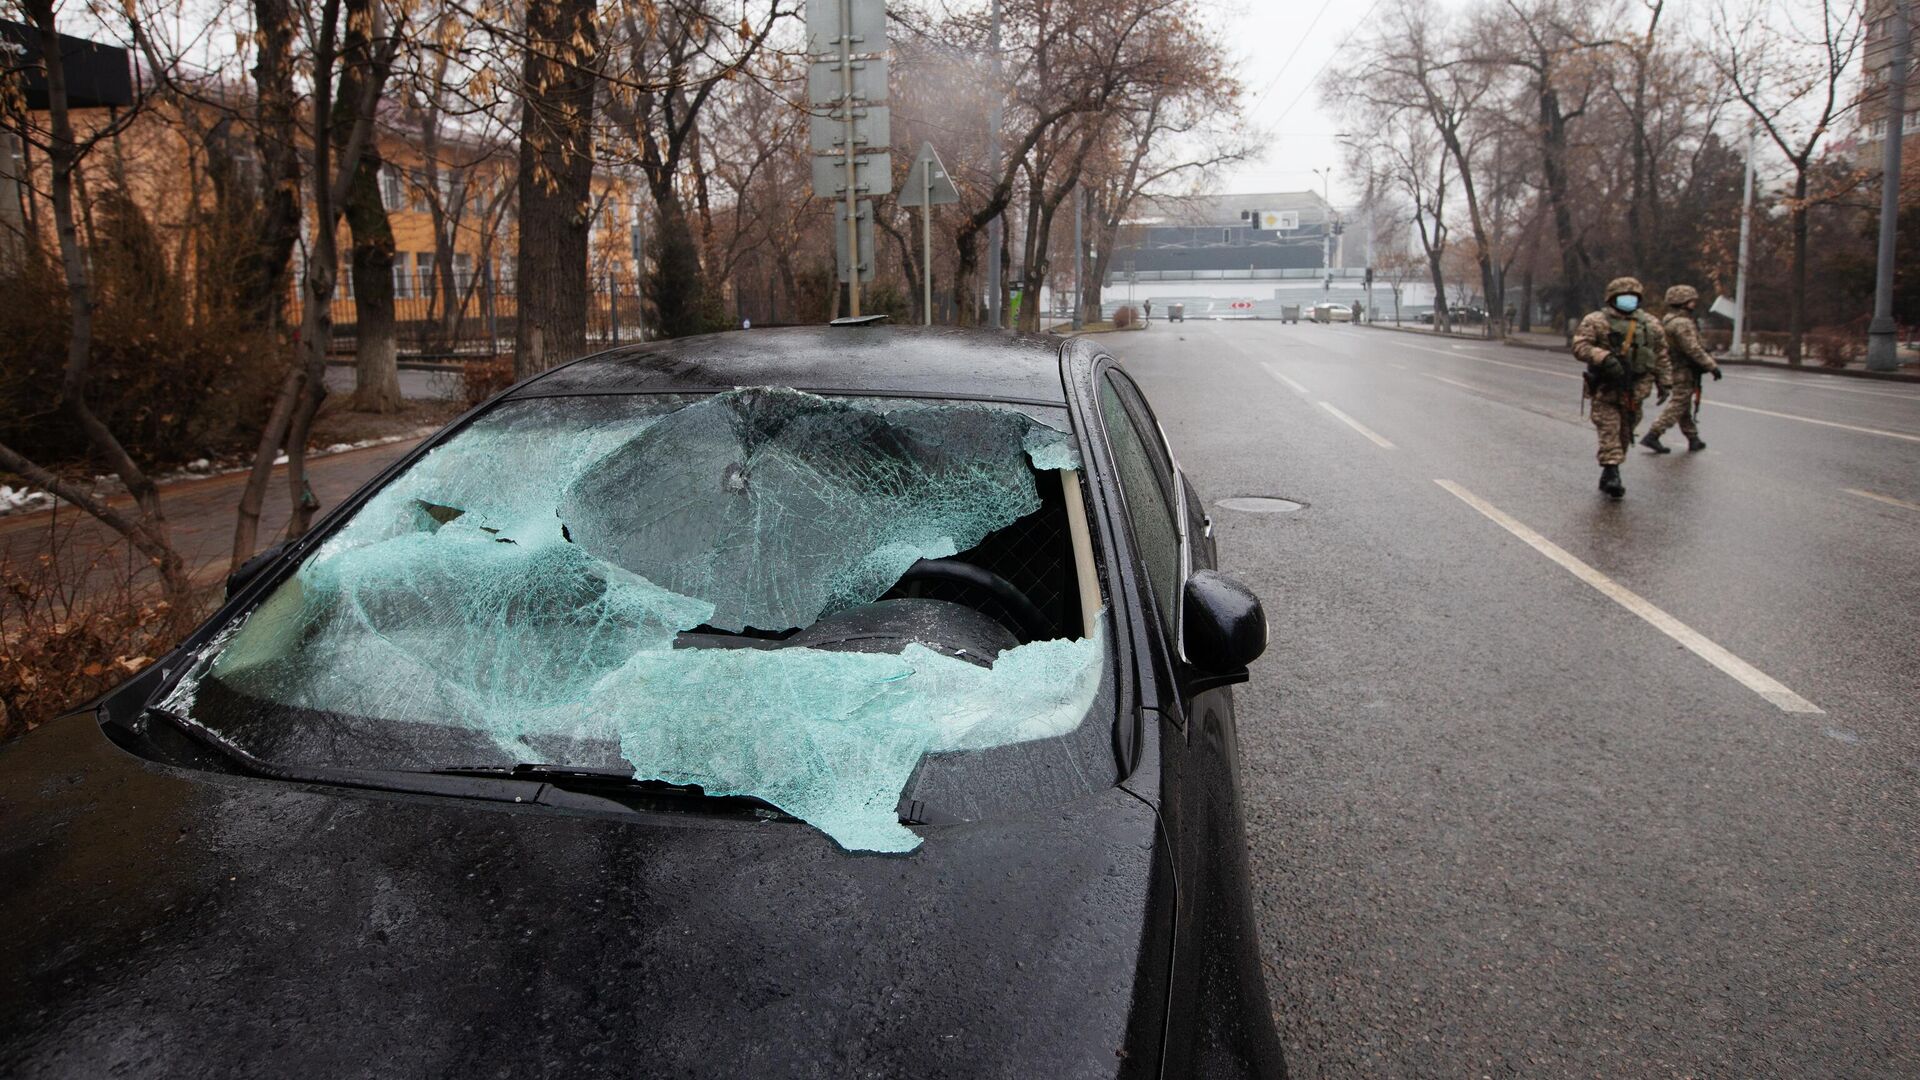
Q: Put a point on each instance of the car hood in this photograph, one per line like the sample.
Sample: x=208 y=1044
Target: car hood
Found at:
x=163 y=921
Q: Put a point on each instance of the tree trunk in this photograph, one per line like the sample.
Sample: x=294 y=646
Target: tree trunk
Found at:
x=1797 y=296
x=555 y=184
x=266 y=284
x=677 y=287
x=376 y=376
x=149 y=534
x=1554 y=166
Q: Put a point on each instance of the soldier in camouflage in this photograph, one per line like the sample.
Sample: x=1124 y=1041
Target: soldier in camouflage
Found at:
x=1691 y=362
x=1625 y=353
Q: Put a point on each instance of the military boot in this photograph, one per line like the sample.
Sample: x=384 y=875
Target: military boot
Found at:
x=1610 y=481
x=1695 y=442
x=1652 y=442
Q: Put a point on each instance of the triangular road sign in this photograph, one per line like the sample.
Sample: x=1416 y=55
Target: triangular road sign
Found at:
x=927 y=182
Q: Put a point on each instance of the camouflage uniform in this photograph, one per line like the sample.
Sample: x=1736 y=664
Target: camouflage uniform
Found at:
x=1615 y=414
x=1691 y=363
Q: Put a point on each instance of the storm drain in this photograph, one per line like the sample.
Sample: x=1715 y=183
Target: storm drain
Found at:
x=1260 y=504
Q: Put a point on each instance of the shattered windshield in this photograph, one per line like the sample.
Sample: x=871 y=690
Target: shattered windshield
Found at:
x=823 y=603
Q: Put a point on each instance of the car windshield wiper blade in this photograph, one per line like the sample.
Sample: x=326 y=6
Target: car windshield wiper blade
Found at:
x=616 y=780
x=598 y=779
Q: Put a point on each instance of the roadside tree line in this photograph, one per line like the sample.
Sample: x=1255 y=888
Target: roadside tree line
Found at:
x=1533 y=149
x=205 y=277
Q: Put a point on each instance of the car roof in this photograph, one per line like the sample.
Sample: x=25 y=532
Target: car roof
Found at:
x=919 y=361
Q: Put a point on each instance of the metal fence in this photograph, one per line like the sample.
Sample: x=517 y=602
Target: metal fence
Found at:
x=470 y=314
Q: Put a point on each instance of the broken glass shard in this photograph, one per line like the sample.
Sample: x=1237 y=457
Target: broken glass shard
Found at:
x=534 y=585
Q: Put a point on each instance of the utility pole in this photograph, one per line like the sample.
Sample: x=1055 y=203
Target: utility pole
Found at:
x=994 y=234
x=1738 y=346
x=1079 y=256
x=1883 y=335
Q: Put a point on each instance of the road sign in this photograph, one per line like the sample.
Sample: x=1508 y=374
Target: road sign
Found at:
x=824 y=29
x=873 y=175
x=864 y=225
x=927 y=183
x=826 y=86
x=847 y=86
x=872 y=126
x=1242 y=305
x=1724 y=308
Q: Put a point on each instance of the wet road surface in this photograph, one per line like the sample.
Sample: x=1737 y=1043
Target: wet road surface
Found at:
x=1541 y=784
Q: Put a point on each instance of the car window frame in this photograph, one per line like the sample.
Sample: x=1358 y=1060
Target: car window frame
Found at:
x=1177 y=500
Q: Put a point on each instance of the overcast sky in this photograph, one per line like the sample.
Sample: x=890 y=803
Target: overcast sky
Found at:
x=1283 y=46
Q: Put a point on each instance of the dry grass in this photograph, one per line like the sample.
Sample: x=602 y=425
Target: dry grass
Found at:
x=73 y=625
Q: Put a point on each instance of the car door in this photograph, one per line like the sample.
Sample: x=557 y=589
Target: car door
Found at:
x=1219 y=1019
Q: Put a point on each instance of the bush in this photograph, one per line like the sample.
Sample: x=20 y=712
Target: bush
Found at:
x=481 y=379
x=171 y=382
x=1123 y=318
x=1834 y=348
x=75 y=621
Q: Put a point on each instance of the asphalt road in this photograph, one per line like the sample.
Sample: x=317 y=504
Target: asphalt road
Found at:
x=415 y=384
x=1540 y=784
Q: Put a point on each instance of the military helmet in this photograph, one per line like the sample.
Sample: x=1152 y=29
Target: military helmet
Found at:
x=1620 y=286
x=1682 y=294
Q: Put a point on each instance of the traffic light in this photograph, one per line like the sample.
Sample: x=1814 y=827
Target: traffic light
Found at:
x=1328 y=287
x=1369 y=277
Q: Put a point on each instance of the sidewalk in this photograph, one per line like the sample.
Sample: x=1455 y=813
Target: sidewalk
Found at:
x=1555 y=344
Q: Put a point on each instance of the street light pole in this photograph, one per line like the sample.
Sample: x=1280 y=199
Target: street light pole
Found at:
x=1738 y=346
x=1883 y=344
x=1326 y=200
x=1079 y=255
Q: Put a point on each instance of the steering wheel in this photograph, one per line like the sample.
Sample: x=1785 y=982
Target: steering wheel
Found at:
x=1028 y=624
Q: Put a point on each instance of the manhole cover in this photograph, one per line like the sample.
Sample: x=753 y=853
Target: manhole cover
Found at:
x=1260 y=504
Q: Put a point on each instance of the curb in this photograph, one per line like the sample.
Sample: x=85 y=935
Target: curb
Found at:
x=1816 y=369
x=411 y=365
x=1508 y=342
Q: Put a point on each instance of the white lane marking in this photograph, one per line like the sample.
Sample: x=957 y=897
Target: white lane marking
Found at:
x=1803 y=383
x=1462 y=355
x=1357 y=426
x=1749 y=676
x=1454 y=382
x=1291 y=385
x=1823 y=423
x=1888 y=499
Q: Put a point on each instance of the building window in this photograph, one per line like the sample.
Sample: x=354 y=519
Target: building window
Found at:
x=390 y=197
x=423 y=263
x=462 y=270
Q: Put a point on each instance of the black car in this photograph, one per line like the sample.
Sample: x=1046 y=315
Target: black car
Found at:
x=834 y=701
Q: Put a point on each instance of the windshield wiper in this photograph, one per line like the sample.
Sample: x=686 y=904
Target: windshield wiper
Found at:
x=615 y=782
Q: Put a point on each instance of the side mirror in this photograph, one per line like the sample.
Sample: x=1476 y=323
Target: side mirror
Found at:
x=1223 y=629
x=250 y=569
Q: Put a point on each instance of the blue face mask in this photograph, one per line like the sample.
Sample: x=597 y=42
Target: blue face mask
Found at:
x=1626 y=302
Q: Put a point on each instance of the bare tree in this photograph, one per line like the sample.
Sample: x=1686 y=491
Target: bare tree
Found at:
x=64 y=150
x=558 y=84
x=1786 y=63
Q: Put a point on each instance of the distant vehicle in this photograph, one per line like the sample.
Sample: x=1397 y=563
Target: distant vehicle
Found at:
x=1290 y=313
x=1330 y=312
x=1176 y=313
x=646 y=721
